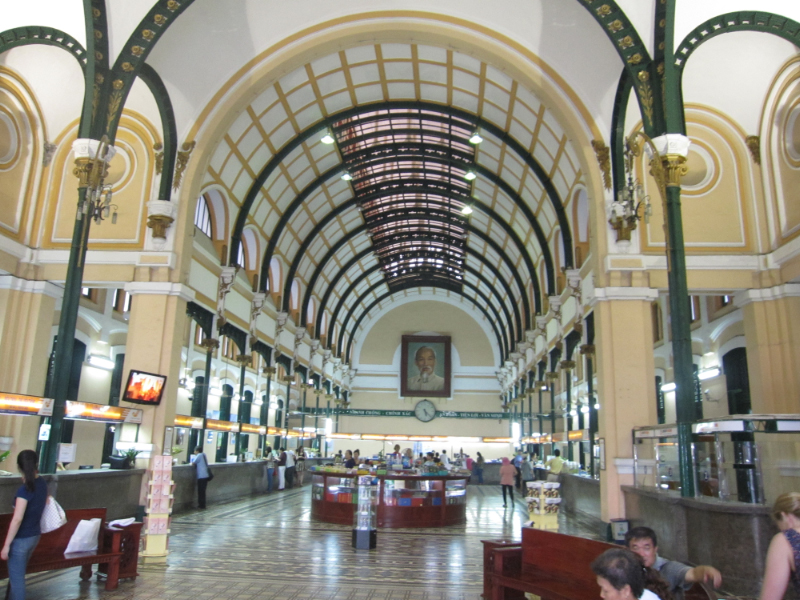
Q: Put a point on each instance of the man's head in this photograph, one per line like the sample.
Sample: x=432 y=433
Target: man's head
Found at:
x=198 y=449
x=444 y=452
x=557 y=453
x=643 y=541
x=425 y=359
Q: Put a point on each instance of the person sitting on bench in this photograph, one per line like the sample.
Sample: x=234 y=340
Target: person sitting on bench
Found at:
x=680 y=577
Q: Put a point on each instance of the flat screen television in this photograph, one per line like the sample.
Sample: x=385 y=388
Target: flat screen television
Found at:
x=144 y=388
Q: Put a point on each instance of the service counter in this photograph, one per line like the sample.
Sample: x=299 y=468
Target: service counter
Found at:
x=115 y=490
x=731 y=536
x=403 y=500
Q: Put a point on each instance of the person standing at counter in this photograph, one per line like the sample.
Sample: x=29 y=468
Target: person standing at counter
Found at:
x=200 y=462
x=445 y=460
x=357 y=456
x=479 y=462
x=291 y=464
x=507 y=474
x=527 y=473
x=517 y=462
x=269 y=456
x=282 y=469
x=349 y=461
x=300 y=466
x=554 y=465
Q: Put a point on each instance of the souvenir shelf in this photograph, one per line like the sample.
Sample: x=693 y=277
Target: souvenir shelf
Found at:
x=160 y=498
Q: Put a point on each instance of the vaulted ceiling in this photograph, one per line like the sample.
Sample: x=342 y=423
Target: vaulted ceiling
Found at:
x=380 y=207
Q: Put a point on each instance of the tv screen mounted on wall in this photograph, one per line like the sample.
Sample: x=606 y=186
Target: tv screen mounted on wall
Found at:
x=144 y=388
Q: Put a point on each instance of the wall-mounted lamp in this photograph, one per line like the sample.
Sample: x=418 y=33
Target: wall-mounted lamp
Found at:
x=101 y=362
x=470 y=175
x=708 y=373
x=475 y=138
x=669 y=387
x=327 y=138
x=346 y=176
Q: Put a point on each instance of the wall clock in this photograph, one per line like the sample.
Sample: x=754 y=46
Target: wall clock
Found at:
x=425 y=410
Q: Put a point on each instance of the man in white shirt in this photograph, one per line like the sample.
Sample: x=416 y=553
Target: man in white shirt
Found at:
x=291 y=461
x=445 y=460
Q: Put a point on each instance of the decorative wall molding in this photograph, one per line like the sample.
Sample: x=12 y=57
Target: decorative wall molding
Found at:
x=10 y=282
x=623 y=293
x=162 y=288
x=786 y=290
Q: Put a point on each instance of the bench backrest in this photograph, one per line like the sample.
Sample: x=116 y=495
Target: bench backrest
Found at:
x=56 y=541
x=562 y=556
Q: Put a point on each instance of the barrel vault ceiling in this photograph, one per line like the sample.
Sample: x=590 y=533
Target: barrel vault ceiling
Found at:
x=380 y=210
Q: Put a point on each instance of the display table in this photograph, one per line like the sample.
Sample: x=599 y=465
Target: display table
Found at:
x=403 y=500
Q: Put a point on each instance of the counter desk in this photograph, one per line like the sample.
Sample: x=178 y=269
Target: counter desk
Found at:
x=403 y=500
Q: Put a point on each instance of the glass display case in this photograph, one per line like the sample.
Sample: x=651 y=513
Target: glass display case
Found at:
x=365 y=519
x=739 y=458
x=400 y=500
x=456 y=491
x=655 y=457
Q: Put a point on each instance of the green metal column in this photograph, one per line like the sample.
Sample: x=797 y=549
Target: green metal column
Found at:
x=680 y=317
x=240 y=413
x=66 y=329
x=224 y=415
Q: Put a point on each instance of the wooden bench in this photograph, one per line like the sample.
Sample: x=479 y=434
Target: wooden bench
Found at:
x=551 y=565
x=49 y=553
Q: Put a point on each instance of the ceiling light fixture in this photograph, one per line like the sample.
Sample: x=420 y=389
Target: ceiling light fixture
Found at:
x=467 y=210
x=470 y=175
x=475 y=138
x=346 y=176
x=669 y=387
x=327 y=138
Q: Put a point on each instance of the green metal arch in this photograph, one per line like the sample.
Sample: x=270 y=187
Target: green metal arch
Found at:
x=168 y=125
x=502 y=340
x=633 y=52
x=24 y=36
x=746 y=20
x=762 y=22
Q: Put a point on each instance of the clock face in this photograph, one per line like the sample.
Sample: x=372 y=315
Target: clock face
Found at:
x=425 y=411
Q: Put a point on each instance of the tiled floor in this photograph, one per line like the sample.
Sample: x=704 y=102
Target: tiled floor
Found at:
x=267 y=547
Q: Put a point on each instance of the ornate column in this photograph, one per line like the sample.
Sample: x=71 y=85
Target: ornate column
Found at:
x=772 y=334
x=625 y=375
x=27 y=310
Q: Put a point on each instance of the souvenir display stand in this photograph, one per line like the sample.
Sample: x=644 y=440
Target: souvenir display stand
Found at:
x=544 y=500
x=160 y=496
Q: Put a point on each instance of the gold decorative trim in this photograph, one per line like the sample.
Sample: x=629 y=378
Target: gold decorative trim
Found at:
x=159 y=148
x=551 y=375
x=754 y=145
x=159 y=224
x=567 y=365
x=244 y=359
x=603 y=154
x=210 y=344
x=587 y=349
x=181 y=161
x=674 y=168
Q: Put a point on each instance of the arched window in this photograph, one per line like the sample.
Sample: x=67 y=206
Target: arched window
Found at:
x=202 y=217
x=311 y=313
x=275 y=276
x=240 y=255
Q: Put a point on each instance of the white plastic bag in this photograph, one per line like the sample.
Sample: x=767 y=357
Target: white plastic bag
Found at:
x=53 y=516
x=85 y=537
